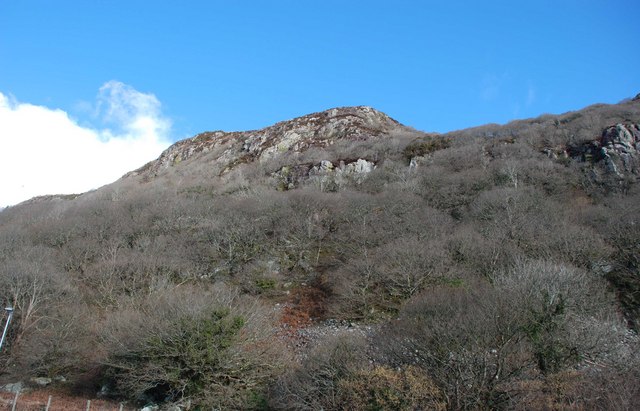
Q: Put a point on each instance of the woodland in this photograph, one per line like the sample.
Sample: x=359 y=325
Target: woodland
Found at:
x=495 y=267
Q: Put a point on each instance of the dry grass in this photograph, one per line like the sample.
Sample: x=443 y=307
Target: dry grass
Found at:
x=305 y=305
x=60 y=401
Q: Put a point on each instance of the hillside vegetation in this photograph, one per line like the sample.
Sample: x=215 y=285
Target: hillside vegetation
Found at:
x=493 y=267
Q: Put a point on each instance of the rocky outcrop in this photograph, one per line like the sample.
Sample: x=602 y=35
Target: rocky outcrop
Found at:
x=620 y=145
x=326 y=175
x=618 y=149
x=318 y=130
x=314 y=130
x=185 y=149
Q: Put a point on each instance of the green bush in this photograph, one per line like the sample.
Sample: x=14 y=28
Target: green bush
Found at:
x=265 y=284
x=424 y=147
x=202 y=347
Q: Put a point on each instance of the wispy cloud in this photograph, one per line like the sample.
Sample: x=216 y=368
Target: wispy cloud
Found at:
x=136 y=113
x=490 y=87
x=531 y=95
x=45 y=151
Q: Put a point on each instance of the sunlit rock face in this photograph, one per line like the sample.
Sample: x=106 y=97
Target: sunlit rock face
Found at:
x=317 y=130
x=325 y=175
x=618 y=149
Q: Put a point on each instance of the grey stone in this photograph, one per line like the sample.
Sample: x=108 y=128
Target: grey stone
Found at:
x=41 y=381
x=12 y=387
x=617 y=150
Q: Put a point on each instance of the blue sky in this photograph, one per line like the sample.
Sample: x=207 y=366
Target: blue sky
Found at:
x=238 y=65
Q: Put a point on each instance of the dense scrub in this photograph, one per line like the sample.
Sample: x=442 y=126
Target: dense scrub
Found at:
x=494 y=274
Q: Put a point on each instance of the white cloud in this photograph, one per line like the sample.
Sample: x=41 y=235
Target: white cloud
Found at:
x=44 y=151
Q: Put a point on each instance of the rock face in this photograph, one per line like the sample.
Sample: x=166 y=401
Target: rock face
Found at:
x=326 y=175
x=618 y=149
x=314 y=130
x=12 y=387
x=41 y=381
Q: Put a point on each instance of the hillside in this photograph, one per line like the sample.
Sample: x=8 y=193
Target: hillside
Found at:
x=344 y=260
